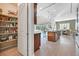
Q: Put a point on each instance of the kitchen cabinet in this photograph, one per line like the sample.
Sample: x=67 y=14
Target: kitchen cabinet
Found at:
x=36 y=41
x=53 y=36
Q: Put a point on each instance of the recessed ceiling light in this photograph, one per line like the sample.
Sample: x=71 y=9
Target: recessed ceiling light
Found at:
x=40 y=8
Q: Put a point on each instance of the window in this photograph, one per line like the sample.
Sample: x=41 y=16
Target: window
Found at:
x=64 y=26
x=41 y=27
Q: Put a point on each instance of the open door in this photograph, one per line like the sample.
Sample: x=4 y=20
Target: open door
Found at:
x=25 y=32
x=22 y=29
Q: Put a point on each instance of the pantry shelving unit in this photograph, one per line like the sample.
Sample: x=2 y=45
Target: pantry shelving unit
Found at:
x=8 y=31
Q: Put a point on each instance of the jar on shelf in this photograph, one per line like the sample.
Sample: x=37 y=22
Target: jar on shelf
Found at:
x=11 y=25
x=10 y=37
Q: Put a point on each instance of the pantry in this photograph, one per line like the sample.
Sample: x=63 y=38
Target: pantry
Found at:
x=8 y=26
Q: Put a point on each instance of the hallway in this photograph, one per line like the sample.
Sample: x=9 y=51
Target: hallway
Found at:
x=65 y=46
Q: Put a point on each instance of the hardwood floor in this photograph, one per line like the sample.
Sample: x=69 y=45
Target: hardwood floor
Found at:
x=10 y=52
x=77 y=45
x=65 y=46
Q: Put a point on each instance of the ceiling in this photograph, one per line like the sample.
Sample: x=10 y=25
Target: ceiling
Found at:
x=14 y=4
x=47 y=12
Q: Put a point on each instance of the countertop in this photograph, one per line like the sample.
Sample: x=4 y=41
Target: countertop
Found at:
x=37 y=31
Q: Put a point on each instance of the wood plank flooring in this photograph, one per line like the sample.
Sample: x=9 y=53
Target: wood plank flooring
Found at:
x=65 y=46
x=10 y=52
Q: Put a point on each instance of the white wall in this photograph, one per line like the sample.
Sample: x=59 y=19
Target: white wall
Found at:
x=42 y=20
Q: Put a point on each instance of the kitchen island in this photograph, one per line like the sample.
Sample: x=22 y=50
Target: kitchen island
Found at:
x=53 y=36
x=37 y=40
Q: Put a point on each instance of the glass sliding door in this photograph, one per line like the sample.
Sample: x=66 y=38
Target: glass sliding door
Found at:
x=77 y=21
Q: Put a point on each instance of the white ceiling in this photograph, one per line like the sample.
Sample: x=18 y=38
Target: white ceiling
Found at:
x=57 y=11
x=14 y=4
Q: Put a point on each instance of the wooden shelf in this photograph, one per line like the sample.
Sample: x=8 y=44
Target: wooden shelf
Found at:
x=7 y=44
x=8 y=25
x=7 y=33
x=8 y=40
x=9 y=21
x=7 y=15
